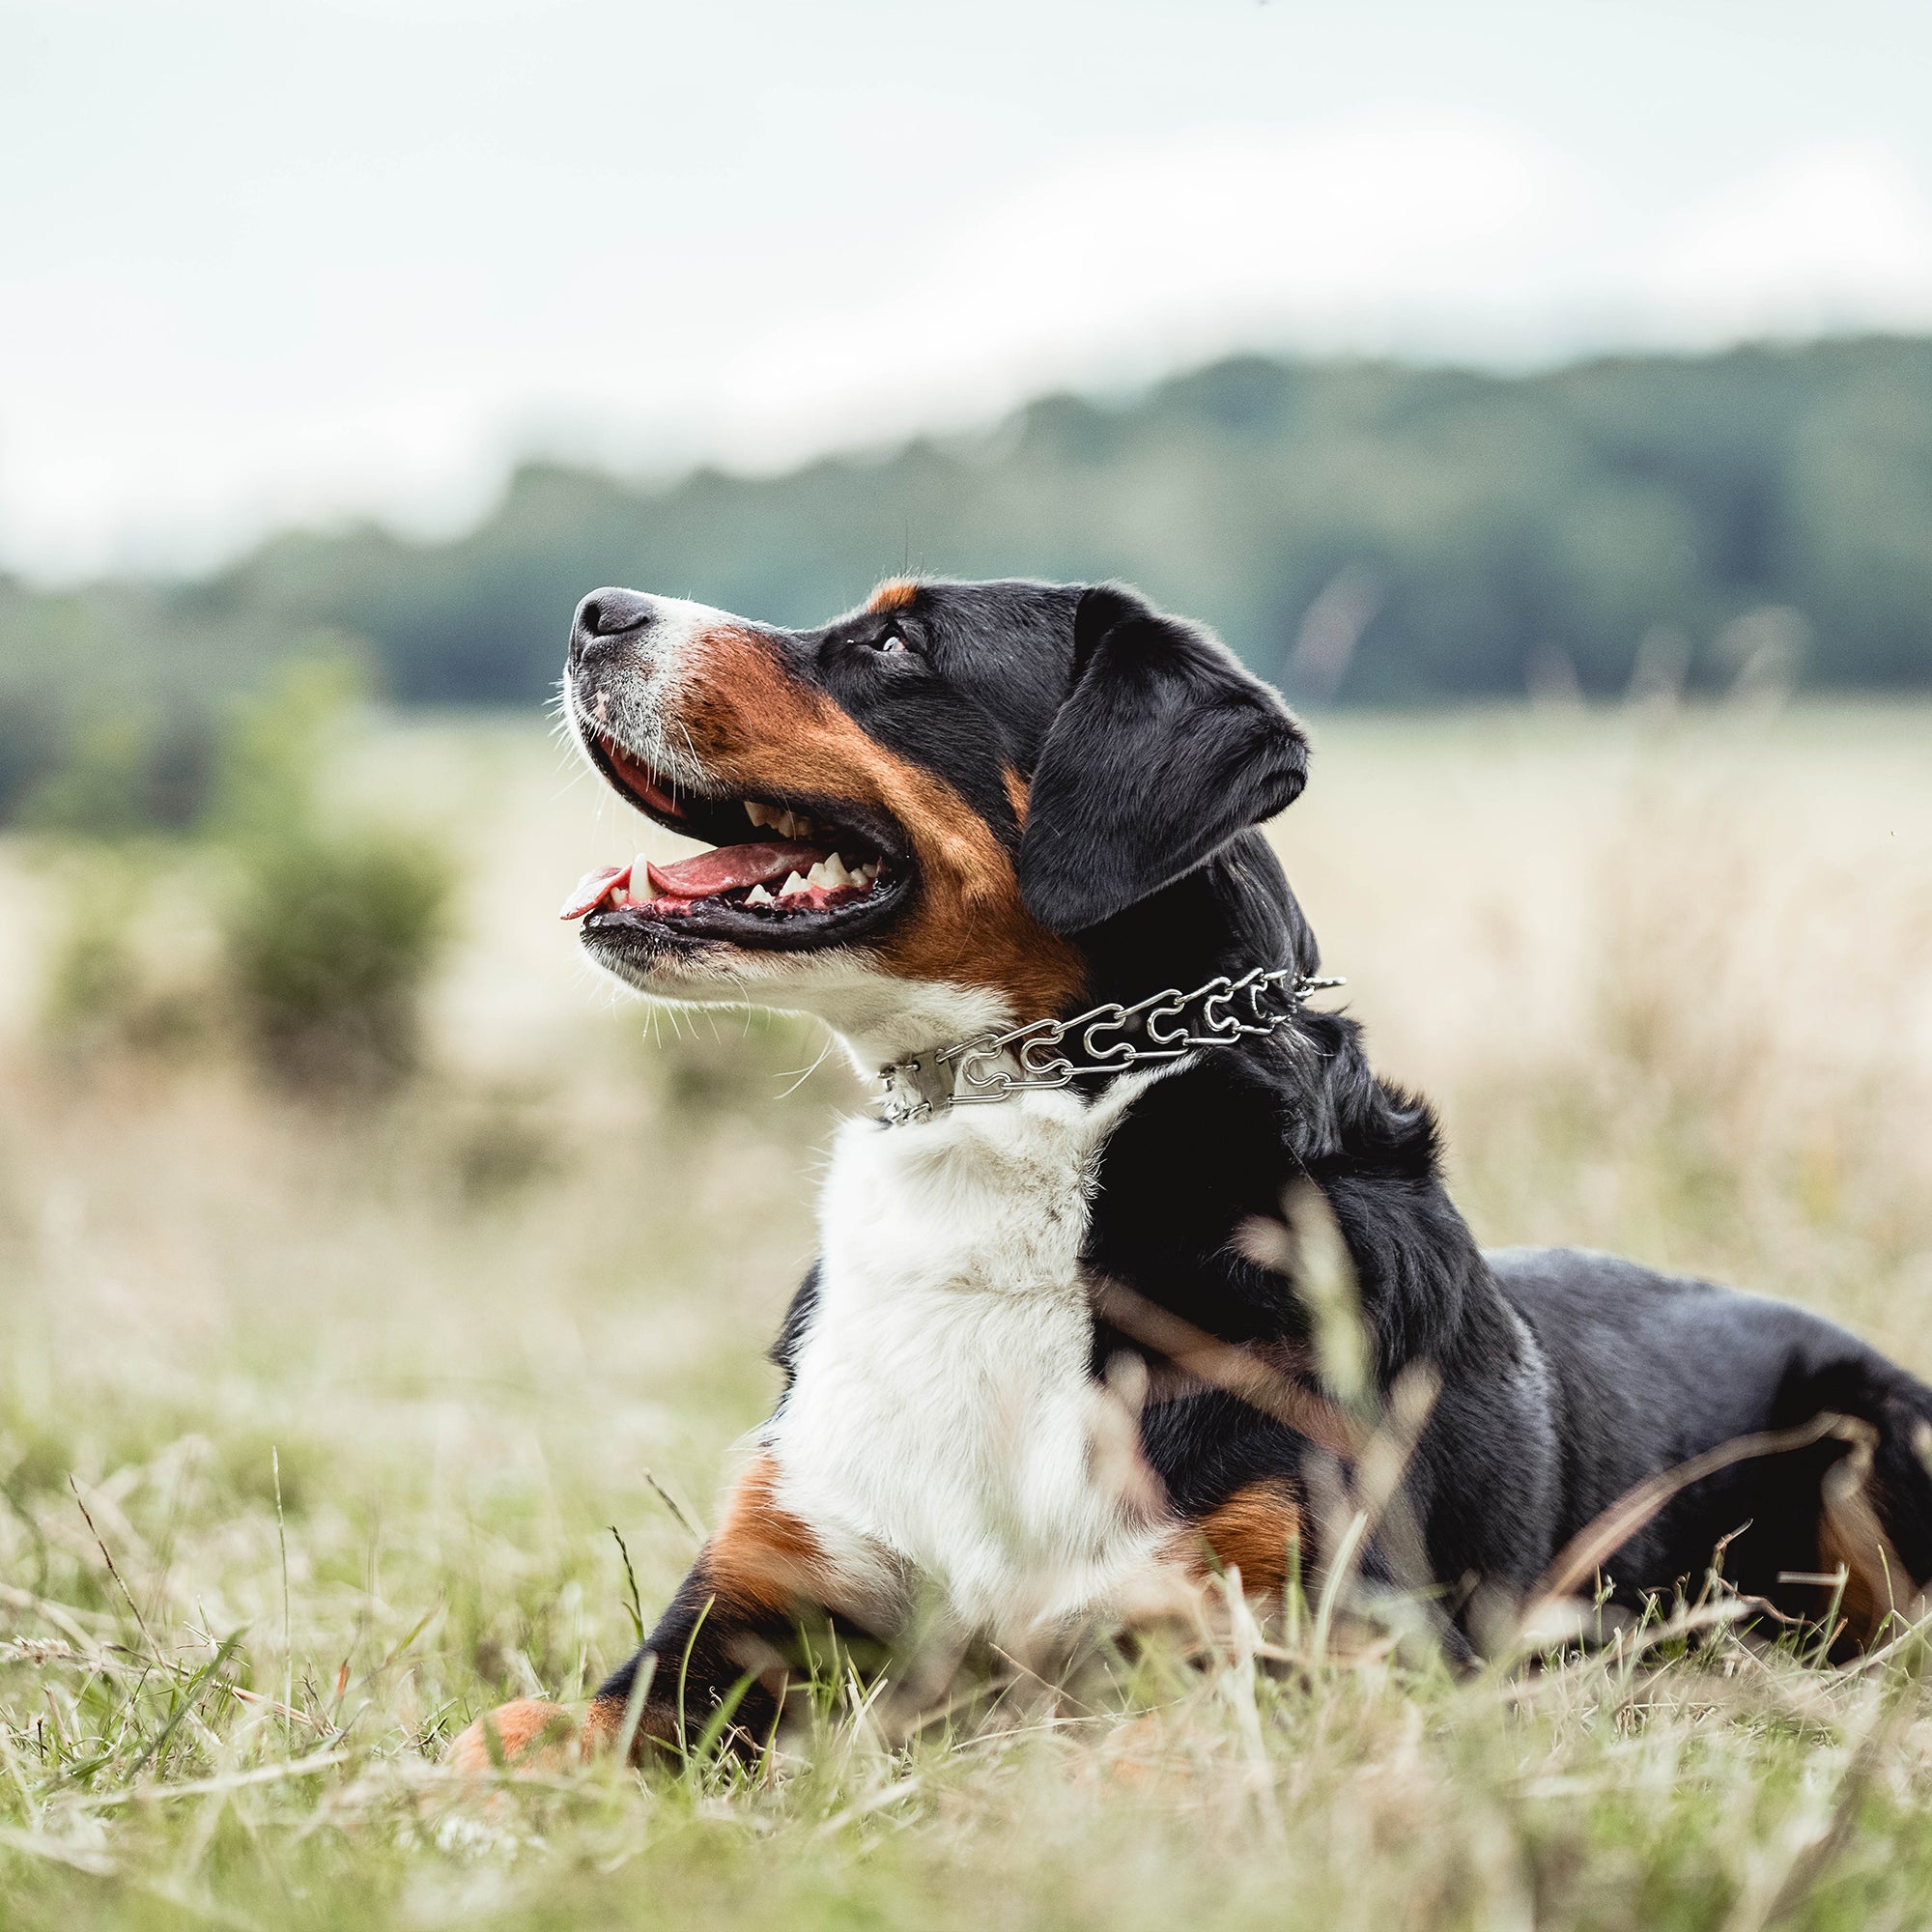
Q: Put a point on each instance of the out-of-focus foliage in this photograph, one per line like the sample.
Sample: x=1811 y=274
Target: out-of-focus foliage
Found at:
x=330 y=927
x=123 y=775
x=114 y=697
x=300 y=933
x=1363 y=532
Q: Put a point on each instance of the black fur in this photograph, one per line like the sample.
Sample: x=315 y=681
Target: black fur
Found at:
x=1164 y=749
x=1565 y=1378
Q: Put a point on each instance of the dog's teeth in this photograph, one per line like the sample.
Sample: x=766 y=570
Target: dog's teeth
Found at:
x=759 y=814
x=820 y=875
x=792 y=886
x=867 y=873
x=640 y=891
x=758 y=895
x=837 y=873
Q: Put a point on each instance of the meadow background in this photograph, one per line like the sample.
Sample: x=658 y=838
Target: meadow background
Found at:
x=1541 y=397
x=352 y=1379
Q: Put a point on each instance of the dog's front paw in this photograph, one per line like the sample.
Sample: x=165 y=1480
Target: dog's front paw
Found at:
x=527 y=1735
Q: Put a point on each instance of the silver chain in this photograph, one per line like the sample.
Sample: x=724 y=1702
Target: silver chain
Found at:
x=996 y=1065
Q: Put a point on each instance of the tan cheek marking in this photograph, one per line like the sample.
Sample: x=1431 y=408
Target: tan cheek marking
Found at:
x=758 y=727
x=896 y=593
x=1250 y=1532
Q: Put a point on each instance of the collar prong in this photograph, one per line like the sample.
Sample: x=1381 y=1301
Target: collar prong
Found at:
x=1171 y=1024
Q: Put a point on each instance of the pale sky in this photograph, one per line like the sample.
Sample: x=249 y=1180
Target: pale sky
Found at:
x=266 y=262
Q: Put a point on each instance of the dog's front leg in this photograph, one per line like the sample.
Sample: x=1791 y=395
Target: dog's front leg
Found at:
x=716 y=1670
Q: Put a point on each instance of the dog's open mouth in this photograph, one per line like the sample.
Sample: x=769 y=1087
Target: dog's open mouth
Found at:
x=787 y=874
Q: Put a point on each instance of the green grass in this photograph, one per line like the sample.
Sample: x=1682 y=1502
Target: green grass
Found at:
x=315 y=1421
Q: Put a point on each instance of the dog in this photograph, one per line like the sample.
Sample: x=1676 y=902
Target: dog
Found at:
x=1055 y=1364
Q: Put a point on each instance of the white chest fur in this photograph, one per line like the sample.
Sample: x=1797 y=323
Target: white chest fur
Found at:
x=944 y=1413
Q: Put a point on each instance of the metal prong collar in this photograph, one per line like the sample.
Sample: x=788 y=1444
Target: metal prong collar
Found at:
x=1110 y=1039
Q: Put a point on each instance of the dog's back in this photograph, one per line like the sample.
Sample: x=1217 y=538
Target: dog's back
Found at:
x=1650 y=1371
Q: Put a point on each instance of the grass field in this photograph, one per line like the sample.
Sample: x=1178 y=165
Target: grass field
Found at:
x=319 y=1425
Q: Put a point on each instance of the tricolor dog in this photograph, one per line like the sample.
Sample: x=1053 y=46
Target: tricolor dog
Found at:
x=1044 y=1373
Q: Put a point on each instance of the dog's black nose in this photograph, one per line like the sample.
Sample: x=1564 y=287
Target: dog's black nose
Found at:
x=610 y=613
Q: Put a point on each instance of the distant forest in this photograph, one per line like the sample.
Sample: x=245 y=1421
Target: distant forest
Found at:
x=1363 y=533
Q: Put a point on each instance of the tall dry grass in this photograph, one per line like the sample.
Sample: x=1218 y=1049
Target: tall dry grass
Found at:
x=316 y=1419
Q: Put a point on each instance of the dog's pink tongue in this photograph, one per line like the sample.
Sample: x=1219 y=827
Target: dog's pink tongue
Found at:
x=733 y=865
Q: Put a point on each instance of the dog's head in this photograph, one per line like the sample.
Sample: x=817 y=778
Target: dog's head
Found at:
x=939 y=813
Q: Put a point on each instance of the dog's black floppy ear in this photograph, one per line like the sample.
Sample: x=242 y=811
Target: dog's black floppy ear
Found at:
x=1164 y=749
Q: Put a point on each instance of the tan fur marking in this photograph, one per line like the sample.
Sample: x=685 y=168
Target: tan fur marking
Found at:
x=756 y=726
x=1250 y=1533
x=657 y=1720
x=1877 y=1582
x=896 y=593
x=1019 y=794
x=1865 y=1600
x=762 y=1556
x=1878 y=1586
x=602 y=1723
x=531 y=1735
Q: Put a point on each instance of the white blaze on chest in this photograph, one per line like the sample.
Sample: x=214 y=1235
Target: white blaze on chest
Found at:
x=944 y=1412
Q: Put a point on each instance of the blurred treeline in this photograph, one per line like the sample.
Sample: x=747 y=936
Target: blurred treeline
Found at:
x=1362 y=532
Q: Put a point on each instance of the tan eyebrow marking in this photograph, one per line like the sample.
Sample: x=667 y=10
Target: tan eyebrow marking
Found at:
x=896 y=593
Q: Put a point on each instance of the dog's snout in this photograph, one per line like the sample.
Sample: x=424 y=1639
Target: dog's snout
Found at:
x=610 y=613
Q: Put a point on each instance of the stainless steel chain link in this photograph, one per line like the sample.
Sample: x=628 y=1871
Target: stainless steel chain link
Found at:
x=994 y=1066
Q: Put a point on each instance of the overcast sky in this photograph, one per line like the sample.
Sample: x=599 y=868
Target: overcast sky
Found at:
x=263 y=261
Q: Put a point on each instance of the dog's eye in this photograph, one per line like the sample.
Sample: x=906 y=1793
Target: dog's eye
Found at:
x=889 y=644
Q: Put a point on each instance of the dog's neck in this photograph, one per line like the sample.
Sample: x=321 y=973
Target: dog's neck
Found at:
x=1227 y=917
x=1228 y=921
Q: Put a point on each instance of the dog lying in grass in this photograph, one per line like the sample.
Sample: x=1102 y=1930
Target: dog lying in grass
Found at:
x=1060 y=1357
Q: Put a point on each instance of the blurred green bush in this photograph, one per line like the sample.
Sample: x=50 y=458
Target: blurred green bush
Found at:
x=330 y=937
x=238 y=905
x=117 y=778
x=330 y=929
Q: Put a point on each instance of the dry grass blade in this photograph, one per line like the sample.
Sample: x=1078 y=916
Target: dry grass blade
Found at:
x=157 y=1791
x=107 y=1556
x=1238 y=1372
